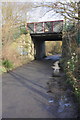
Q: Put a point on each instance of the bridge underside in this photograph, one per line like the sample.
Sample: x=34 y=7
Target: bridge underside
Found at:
x=47 y=36
x=39 y=42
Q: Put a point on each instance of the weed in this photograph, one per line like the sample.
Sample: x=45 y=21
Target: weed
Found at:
x=7 y=64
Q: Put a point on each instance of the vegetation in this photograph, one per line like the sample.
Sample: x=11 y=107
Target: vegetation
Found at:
x=71 y=59
x=16 y=42
x=7 y=64
x=12 y=19
x=73 y=75
x=53 y=47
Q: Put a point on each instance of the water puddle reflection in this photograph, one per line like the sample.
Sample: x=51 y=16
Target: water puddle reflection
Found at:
x=51 y=101
x=59 y=105
x=63 y=104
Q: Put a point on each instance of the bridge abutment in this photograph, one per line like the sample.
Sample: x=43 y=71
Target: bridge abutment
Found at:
x=39 y=49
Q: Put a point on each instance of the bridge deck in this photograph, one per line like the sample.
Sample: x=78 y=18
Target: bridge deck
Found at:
x=43 y=27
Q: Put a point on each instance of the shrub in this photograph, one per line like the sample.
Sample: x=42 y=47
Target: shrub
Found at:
x=7 y=64
x=73 y=74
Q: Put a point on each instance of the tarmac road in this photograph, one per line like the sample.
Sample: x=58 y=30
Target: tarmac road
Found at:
x=24 y=92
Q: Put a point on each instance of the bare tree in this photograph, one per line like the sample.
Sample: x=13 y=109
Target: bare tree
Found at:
x=13 y=15
x=68 y=9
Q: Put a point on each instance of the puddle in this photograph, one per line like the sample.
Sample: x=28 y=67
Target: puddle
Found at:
x=51 y=106
x=56 y=68
x=51 y=101
x=53 y=57
x=61 y=106
x=63 y=103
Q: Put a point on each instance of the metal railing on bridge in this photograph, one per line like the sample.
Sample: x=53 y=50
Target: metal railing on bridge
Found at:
x=43 y=27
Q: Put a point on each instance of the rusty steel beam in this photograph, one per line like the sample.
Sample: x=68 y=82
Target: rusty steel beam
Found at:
x=35 y=24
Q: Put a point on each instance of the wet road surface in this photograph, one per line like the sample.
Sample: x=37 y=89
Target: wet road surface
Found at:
x=25 y=93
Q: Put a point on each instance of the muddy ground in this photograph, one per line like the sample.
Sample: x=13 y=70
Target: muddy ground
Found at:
x=32 y=91
x=63 y=96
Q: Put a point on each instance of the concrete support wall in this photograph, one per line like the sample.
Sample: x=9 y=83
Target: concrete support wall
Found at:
x=39 y=49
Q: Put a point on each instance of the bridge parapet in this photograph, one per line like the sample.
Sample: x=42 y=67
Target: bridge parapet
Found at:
x=43 y=27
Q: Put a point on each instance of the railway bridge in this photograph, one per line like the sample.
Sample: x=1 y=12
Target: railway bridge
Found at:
x=44 y=31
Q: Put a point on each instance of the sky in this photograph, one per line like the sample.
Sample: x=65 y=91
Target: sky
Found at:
x=34 y=0
x=40 y=14
x=27 y=0
x=37 y=14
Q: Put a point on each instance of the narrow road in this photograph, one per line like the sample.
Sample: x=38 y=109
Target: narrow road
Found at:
x=25 y=93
